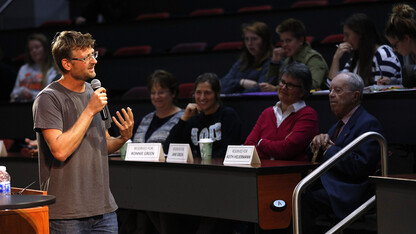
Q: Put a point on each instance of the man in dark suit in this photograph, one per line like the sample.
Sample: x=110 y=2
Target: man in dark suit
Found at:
x=344 y=187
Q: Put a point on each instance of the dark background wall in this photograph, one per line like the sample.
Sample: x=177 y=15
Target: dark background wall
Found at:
x=119 y=74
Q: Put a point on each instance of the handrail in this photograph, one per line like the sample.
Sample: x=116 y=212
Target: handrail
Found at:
x=325 y=167
x=5 y=5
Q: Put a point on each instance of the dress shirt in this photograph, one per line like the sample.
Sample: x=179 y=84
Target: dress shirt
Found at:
x=280 y=116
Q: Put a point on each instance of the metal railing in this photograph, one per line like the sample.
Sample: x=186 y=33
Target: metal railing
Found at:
x=5 y=5
x=315 y=174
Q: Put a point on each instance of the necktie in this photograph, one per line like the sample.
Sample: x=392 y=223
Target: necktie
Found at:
x=337 y=130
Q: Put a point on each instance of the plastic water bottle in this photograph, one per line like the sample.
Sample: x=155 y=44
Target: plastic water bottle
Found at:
x=4 y=181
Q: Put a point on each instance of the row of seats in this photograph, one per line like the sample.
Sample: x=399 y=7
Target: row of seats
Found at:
x=188 y=47
x=121 y=44
x=202 y=46
x=214 y=11
x=136 y=44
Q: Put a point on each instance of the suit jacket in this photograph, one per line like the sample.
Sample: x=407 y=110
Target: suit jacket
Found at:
x=347 y=182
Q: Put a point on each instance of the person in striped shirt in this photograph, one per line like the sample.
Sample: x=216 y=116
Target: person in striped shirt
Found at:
x=375 y=62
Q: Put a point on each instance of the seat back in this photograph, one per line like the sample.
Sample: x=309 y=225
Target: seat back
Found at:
x=186 y=90
x=189 y=47
x=212 y=11
x=133 y=50
x=157 y=15
x=333 y=38
x=230 y=45
x=255 y=8
x=358 y=1
x=310 y=3
x=137 y=92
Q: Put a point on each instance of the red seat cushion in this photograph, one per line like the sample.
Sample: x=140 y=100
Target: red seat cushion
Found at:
x=189 y=47
x=255 y=8
x=137 y=92
x=158 y=15
x=212 y=11
x=133 y=50
x=230 y=45
x=186 y=90
x=307 y=3
x=334 y=38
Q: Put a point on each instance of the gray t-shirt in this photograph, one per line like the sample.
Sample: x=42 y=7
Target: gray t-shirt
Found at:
x=81 y=183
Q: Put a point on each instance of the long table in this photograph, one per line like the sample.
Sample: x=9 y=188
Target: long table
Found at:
x=205 y=189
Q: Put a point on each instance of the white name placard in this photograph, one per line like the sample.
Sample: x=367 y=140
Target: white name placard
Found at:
x=241 y=155
x=3 y=150
x=180 y=153
x=148 y=152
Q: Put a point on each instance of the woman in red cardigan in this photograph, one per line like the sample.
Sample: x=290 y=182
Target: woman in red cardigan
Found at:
x=284 y=131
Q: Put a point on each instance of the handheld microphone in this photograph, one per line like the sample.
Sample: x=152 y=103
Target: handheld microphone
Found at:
x=96 y=84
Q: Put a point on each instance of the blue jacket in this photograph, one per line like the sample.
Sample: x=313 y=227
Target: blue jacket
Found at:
x=347 y=182
x=230 y=83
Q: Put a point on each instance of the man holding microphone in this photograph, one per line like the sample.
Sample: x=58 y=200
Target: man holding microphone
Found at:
x=74 y=142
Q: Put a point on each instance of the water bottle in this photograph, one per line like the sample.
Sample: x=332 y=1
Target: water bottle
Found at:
x=4 y=181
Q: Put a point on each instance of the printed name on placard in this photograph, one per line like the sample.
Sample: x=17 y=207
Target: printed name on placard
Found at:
x=241 y=155
x=180 y=153
x=149 y=152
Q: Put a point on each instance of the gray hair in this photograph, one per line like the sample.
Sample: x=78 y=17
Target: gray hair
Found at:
x=355 y=82
x=301 y=72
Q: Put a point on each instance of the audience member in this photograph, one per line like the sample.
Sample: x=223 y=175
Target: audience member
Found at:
x=251 y=68
x=344 y=187
x=285 y=130
x=32 y=147
x=38 y=72
x=74 y=143
x=27 y=147
x=374 y=62
x=155 y=126
x=295 y=48
x=401 y=33
x=207 y=118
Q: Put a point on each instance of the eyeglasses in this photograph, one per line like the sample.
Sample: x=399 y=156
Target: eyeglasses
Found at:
x=88 y=58
x=160 y=93
x=288 y=85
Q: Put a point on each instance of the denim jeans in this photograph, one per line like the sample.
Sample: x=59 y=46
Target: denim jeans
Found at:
x=106 y=223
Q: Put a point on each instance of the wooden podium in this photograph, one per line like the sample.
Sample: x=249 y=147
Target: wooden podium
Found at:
x=29 y=220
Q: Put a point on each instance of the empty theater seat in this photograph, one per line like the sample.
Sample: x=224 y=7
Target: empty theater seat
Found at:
x=189 y=47
x=133 y=50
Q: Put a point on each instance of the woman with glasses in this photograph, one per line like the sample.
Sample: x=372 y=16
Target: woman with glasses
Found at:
x=155 y=126
x=284 y=131
x=401 y=33
x=374 y=62
x=38 y=72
